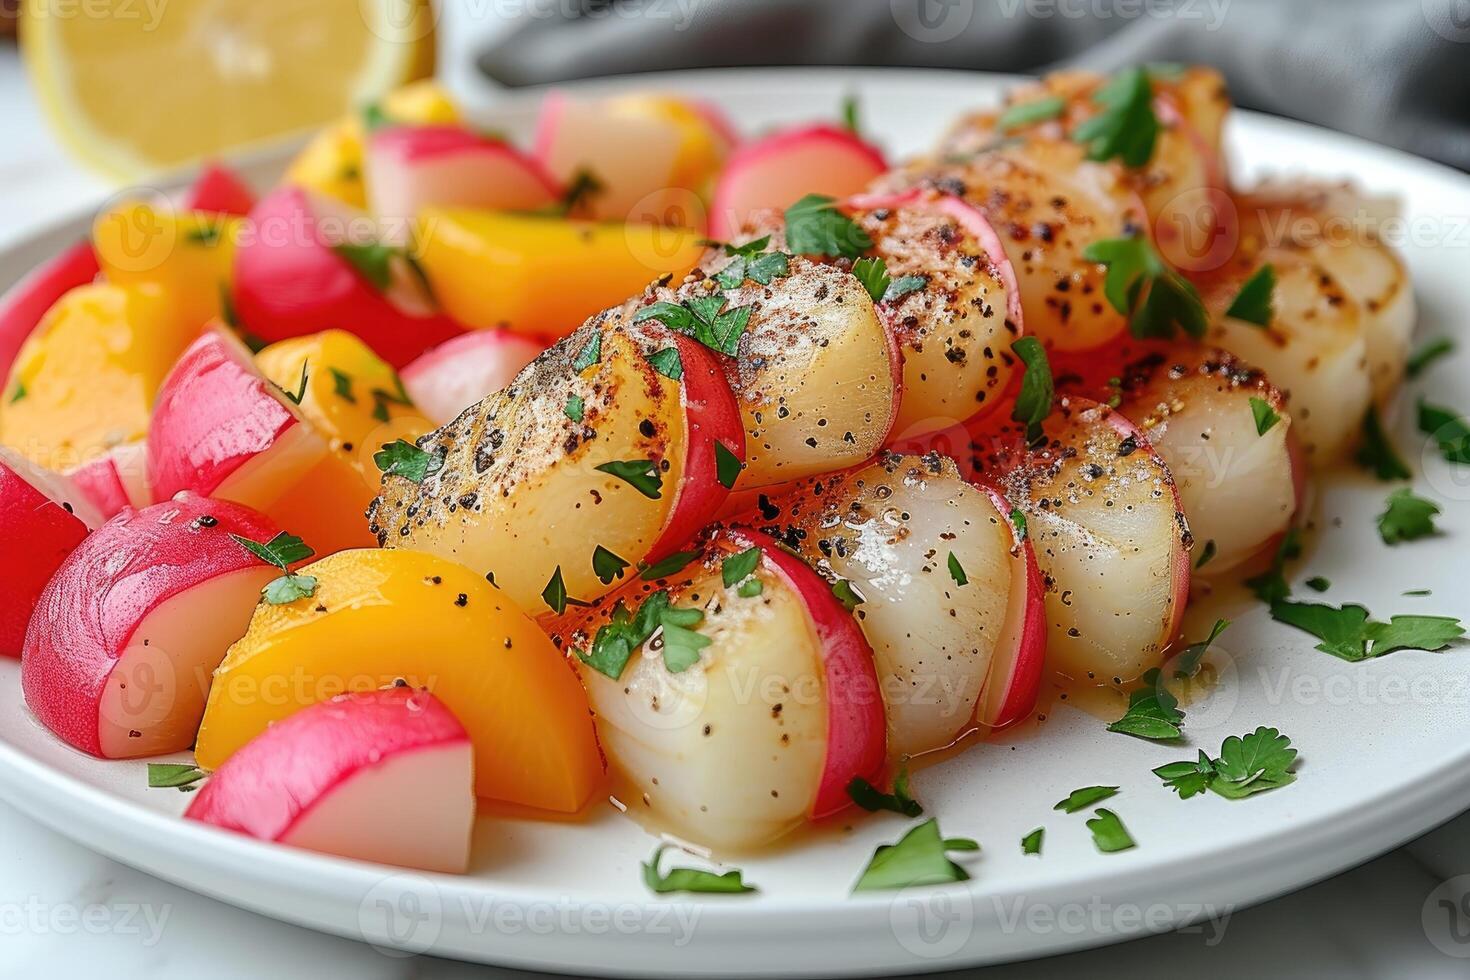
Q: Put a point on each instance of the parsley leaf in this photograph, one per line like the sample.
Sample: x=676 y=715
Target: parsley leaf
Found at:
x=671 y=565
x=1347 y=632
x=1207 y=553
x=1265 y=415
x=583 y=187
x=342 y=386
x=623 y=633
x=681 y=645
x=373 y=262
x=850 y=114
x=904 y=285
x=19 y=393
x=1253 y=304
x=1031 y=843
x=704 y=318
x=814 y=226
x=1038 y=391
x=1025 y=113
x=555 y=593
x=1270 y=585
x=1141 y=285
x=172 y=775
x=1420 y=360
x=1108 y=832
x=1377 y=453
x=690 y=879
x=1447 y=429
x=667 y=363
x=590 y=354
x=873 y=274
x=920 y=857
x=1318 y=584
x=957 y=571
x=373 y=117
x=1153 y=710
x=1081 y=799
x=606 y=565
x=282 y=551
x=1188 y=778
x=737 y=568
x=289 y=588
x=846 y=594
x=727 y=466
x=752 y=261
x=294 y=397
x=575 y=408
x=1187 y=663
x=1429 y=633
x=1126 y=127
x=1407 y=518
x=641 y=474
x=403 y=458
x=872 y=799
x=750 y=588
x=1018 y=521
x=1253 y=763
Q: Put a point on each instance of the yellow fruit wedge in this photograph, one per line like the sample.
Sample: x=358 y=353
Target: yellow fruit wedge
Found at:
x=137 y=88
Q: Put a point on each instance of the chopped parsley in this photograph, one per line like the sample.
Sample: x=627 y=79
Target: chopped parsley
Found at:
x=1187 y=663
x=640 y=474
x=872 y=799
x=1271 y=585
x=373 y=117
x=667 y=363
x=1253 y=304
x=1347 y=632
x=1027 y=113
x=873 y=274
x=373 y=262
x=690 y=879
x=1018 y=521
x=957 y=571
x=555 y=593
x=289 y=588
x=1108 y=833
x=1031 y=843
x=814 y=226
x=1422 y=358
x=1038 y=391
x=294 y=397
x=575 y=408
x=750 y=588
x=206 y=235
x=1377 y=453
x=606 y=565
x=1318 y=584
x=681 y=645
x=1081 y=799
x=282 y=551
x=403 y=458
x=590 y=354
x=671 y=565
x=1265 y=416
x=737 y=568
x=19 y=393
x=1153 y=710
x=902 y=286
x=1448 y=429
x=172 y=775
x=583 y=188
x=920 y=857
x=1206 y=555
x=846 y=594
x=1248 y=764
x=850 y=114
x=752 y=261
x=1407 y=518
x=727 y=466
x=342 y=386
x=624 y=632
x=1154 y=297
x=1126 y=127
x=704 y=318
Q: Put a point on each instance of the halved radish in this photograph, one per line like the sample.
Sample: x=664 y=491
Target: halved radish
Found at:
x=385 y=776
x=220 y=190
x=409 y=168
x=293 y=276
x=220 y=429
x=590 y=448
x=778 y=170
x=120 y=651
x=23 y=305
x=955 y=322
x=448 y=379
x=764 y=728
x=1019 y=662
x=116 y=479
x=43 y=518
x=936 y=566
x=1103 y=514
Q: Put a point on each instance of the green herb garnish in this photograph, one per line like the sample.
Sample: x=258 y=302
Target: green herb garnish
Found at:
x=590 y=354
x=403 y=458
x=727 y=466
x=814 y=226
x=606 y=565
x=1081 y=799
x=1347 y=632
x=1445 y=427
x=872 y=799
x=1026 y=113
x=737 y=568
x=846 y=594
x=1247 y=765
x=1154 y=297
x=1126 y=127
x=1264 y=414
x=704 y=318
x=1153 y=710
x=667 y=363
x=957 y=571
x=1271 y=585
x=640 y=474
x=1253 y=304
x=1031 y=843
x=671 y=565
x=920 y=857
x=1038 y=391
x=1108 y=832
x=690 y=879
x=172 y=775
x=1377 y=453
x=1187 y=663
x=575 y=408
x=1422 y=358
x=1407 y=518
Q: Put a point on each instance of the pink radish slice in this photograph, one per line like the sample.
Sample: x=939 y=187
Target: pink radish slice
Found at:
x=780 y=169
x=1019 y=663
x=42 y=520
x=384 y=776
x=116 y=480
x=220 y=190
x=125 y=638
x=457 y=374
x=409 y=168
x=856 y=729
x=632 y=157
x=23 y=306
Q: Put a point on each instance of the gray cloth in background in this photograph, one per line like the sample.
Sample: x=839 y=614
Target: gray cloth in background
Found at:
x=1393 y=71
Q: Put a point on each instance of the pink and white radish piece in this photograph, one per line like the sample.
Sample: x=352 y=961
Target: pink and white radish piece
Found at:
x=125 y=638
x=116 y=479
x=448 y=379
x=384 y=776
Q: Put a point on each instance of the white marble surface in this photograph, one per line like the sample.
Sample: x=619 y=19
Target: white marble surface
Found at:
x=65 y=912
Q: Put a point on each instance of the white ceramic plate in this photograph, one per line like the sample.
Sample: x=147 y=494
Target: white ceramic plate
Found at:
x=1385 y=745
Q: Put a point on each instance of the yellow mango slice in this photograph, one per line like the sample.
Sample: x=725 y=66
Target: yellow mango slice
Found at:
x=85 y=379
x=380 y=616
x=538 y=275
x=189 y=254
